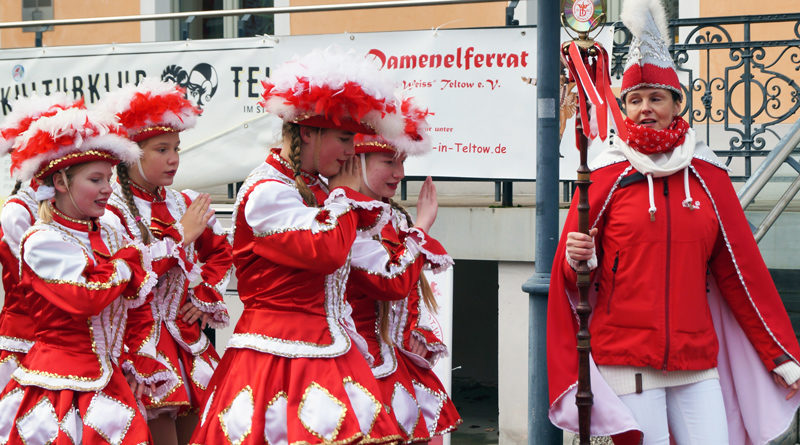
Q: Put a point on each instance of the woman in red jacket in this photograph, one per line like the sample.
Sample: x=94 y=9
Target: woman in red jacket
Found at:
x=687 y=329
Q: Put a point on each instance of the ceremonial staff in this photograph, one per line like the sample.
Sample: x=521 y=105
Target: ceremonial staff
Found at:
x=587 y=63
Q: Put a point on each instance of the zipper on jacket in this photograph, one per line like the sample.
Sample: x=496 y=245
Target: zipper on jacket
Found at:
x=666 y=273
x=613 y=282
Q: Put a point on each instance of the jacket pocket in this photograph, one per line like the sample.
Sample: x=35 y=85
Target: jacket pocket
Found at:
x=613 y=282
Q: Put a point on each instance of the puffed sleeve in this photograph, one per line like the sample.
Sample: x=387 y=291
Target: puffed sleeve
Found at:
x=214 y=251
x=310 y=238
x=16 y=218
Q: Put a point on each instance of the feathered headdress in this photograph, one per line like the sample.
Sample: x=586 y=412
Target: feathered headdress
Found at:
x=26 y=110
x=333 y=89
x=70 y=136
x=413 y=141
x=151 y=108
x=649 y=63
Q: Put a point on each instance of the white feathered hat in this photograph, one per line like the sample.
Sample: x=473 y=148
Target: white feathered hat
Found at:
x=413 y=141
x=26 y=110
x=70 y=136
x=151 y=108
x=332 y=88
x=649 y=63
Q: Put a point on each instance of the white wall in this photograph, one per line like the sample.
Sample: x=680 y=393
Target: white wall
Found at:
x=512 y=360
x=155 y=30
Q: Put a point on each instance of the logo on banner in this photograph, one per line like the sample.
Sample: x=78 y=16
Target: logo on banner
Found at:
x=200 y=84
x=583 y=10
x=17 y=73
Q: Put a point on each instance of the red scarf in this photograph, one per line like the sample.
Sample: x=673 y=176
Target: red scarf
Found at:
x=649 y=141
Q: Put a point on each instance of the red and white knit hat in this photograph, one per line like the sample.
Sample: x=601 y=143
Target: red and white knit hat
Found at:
x=26 y=110
x=333 y=89
x=413 y=141
x=649 y=63
x=151 y=108
x=69 y=137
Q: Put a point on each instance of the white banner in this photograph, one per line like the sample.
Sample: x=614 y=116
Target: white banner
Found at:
x=479 y=83
x=475 y=81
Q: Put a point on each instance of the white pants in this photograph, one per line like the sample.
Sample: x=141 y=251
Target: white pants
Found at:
x=694 y=414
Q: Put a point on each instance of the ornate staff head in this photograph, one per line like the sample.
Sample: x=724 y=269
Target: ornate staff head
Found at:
x=583 y=17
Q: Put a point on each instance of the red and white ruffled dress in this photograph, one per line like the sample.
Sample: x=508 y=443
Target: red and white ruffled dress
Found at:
x=156 y=331
x=290 y=374
x=81 y=278
x=388 y=267
x=16 y=327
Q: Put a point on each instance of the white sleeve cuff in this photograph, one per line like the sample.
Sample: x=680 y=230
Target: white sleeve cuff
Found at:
x=790 y=371
x=592 y=263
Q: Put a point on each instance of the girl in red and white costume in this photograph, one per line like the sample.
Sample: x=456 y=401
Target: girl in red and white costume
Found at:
x=82 y=274
x=386 y=283
x=688 y=333
x=293 y=372
x=18 y=215
x=154 y=113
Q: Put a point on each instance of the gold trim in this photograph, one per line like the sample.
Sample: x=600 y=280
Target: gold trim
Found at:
x=131 y=412
x=378 y=144
x=157 y=128
x=88 y=222
x=342 y=415
x=103 y=154
x=222 y=413
x=375 y=401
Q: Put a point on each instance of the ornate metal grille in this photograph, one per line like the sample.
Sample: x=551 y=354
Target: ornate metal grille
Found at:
x=737 y=104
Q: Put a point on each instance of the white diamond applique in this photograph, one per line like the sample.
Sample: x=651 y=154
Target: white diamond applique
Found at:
x=72 y=425
x=8 y=412
x=320 y=412
x=109 y=417
x=207 y=407
x=39 y=426
x=364 y=404
x=405 y=409
x=237 y=419
x=201 y=372
x=7 y=367
x=430 y=402
x=275 y=426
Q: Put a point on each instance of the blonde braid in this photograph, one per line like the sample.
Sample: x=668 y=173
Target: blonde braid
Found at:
x=292 y=131
x=427 y=292
x=125 y=182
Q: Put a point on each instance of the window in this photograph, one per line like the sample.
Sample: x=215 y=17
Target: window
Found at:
x=225 y=27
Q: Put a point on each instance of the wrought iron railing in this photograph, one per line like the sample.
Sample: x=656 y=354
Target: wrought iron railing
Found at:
x=737 y=106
